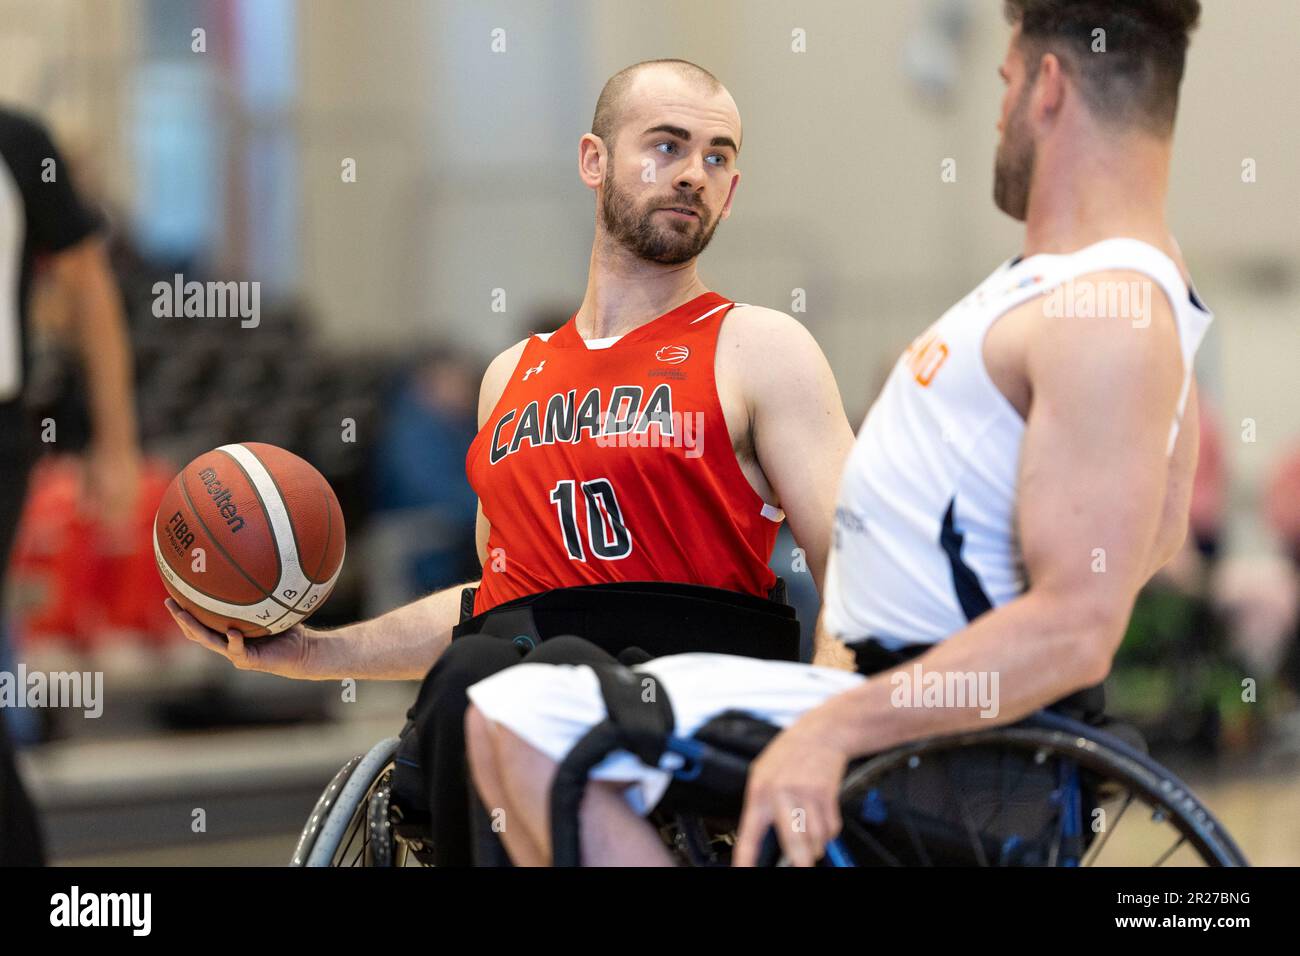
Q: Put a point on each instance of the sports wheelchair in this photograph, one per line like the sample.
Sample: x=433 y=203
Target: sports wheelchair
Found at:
x=1050 y=790
x=1047 y=791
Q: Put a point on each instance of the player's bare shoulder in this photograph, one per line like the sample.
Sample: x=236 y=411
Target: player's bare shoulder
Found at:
x=1120 y=319
x=761 y=348
x=1120 y=316
x=496 y=377
x=750 y=322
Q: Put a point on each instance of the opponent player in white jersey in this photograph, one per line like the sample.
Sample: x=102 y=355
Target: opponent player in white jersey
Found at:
x=1019 y=479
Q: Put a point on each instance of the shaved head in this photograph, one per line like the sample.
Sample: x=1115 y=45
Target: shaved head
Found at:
x=661 y=156
x=611 y=107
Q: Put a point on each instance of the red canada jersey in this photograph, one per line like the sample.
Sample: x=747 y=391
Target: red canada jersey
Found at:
x=608 y=464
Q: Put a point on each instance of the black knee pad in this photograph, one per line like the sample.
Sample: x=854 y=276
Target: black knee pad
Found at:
x=442 y=703
x=467 y=661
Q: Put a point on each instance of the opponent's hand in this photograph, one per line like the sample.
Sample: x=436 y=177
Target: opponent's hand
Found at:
x=794 y=788
x=286 y=654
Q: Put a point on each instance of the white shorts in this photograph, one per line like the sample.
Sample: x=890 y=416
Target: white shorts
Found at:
x=552 y=706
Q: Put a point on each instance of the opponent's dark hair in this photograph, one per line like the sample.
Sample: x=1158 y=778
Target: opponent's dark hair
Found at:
x=609 y=106
x=1135 y=81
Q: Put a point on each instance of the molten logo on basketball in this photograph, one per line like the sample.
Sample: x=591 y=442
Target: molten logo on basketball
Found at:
x=673 y=354
x=221 y=497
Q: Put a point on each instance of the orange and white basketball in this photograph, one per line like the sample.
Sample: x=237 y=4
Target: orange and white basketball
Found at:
x=249 y=537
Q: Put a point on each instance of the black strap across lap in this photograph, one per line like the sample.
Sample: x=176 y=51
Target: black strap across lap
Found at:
x=640 y=721
x=638 y=706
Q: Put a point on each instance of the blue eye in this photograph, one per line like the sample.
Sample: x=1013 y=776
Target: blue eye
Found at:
x=721 y=160
x=670 y=146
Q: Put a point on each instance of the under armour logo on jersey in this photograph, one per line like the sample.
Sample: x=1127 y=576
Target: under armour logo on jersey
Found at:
x=673 y=354
x=536 y=368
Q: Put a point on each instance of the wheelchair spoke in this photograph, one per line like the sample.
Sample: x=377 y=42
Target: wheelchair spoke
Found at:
x=873 y=844
x=1007 y=791
x=363 y=827
x=910 y=826
x=1069 y=811
x=1160 y=861
x=971 y=832
x=356 y=858
x=352 y=835
x=1094 y=851
x=1055 y=852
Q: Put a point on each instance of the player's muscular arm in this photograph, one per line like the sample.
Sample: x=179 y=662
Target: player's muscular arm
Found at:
x=798 y=429
x=400 y=645
x=1091 y=494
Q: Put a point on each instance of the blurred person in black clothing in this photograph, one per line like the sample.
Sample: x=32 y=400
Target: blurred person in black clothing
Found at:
x=45 y=225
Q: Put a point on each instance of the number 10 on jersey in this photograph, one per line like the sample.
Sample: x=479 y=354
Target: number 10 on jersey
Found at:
x=607 y=536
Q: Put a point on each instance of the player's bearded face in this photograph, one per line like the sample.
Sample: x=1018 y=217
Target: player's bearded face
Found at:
x=636 y=223
x=1014 y=169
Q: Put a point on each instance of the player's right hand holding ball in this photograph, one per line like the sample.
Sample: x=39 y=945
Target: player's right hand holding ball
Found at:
x=287 y=654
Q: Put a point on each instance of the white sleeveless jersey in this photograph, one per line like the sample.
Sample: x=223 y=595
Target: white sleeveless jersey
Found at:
x=925 y=536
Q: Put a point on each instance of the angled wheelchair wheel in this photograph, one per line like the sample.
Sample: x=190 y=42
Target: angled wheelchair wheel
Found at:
x=351 y=824
x=1048 y=791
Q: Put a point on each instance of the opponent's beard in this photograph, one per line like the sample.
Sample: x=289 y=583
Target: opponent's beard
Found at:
x=1014 y=170
x=663 y=240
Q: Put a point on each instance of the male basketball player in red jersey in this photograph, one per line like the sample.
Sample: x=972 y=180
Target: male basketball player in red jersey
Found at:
x=658 y=436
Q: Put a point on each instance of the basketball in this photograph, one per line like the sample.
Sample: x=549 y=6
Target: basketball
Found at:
x=249 y=536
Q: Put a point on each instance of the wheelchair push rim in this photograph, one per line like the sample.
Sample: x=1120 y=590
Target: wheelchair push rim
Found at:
x=342 y=815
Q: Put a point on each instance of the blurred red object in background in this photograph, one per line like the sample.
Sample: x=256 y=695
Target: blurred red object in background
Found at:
x=75 y=580
x=1209 y=505
x=1282 y=501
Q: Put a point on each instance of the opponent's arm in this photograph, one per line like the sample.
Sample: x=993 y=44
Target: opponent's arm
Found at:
x=800 y=433
x=400 y=645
